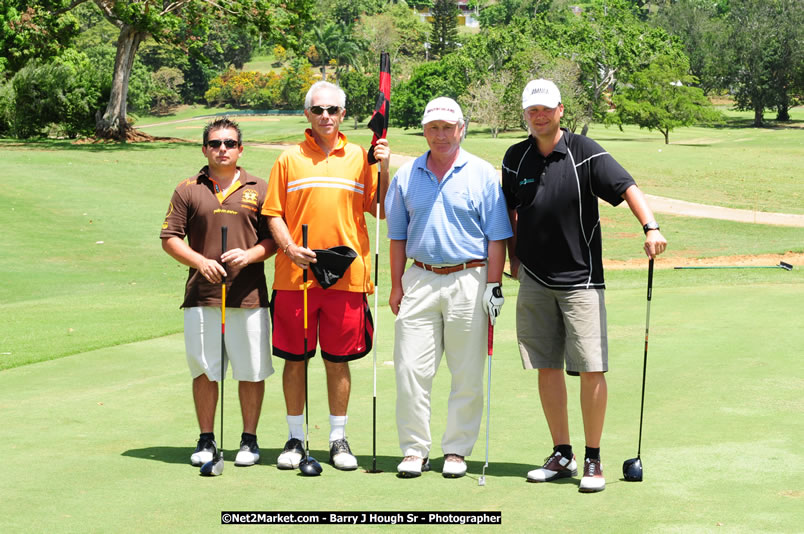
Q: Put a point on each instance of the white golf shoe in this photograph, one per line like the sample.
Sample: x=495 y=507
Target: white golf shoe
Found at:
x=454 y=466
x=412 y=466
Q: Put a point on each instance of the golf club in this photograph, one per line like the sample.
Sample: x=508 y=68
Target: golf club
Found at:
x=309 y=466
x=632 y=469
x=482 y=480
x=214 y=467
x=782 y=265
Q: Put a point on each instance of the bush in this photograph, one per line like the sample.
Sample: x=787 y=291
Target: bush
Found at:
x=257 y=90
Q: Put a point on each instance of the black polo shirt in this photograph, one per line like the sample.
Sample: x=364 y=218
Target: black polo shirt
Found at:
x=558 y=224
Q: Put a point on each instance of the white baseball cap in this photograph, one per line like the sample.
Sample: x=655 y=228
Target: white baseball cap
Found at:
x=541 y=93
x=442 y=109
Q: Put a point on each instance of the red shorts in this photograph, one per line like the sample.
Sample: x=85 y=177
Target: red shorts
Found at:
x=339 y=320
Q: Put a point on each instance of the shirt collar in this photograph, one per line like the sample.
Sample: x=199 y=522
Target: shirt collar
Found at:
x=561 y=146
x=460 y=161
x=310 y=140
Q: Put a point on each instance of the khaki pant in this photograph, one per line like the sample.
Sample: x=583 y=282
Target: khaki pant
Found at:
x=440 y=315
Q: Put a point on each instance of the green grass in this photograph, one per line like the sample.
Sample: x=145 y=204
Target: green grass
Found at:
x=98 y=442
x=87 y=239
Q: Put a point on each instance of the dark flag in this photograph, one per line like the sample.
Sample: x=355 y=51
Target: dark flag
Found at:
x=379 y=119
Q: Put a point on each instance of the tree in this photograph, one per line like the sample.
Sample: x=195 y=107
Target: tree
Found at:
x=486 y=103
x=446 y=77
x=608 y=41
x=444 y=32
x=702 y=29
x=32 y=29
x=184 y=23
x=361 y=94
x=336 y=44
x=661 y=98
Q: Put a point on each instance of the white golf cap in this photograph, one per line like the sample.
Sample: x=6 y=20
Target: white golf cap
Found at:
x=442 y=109
x=541 y=93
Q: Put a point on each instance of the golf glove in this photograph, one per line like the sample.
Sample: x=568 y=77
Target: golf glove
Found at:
x=493 y=300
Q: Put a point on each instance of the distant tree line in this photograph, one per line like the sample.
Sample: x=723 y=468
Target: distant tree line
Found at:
x=77 y=67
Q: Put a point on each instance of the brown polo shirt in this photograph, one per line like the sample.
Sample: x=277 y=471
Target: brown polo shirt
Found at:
x=198 y=212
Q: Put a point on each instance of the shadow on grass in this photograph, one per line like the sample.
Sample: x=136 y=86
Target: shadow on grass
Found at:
x=168 y=455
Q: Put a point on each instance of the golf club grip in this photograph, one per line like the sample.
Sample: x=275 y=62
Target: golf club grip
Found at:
x=650 y=278
x=224 y=232
x=491 y=339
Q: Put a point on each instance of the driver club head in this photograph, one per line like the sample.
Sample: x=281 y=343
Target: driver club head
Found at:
x=632 y=470
x=310 y=467
x=213 y=467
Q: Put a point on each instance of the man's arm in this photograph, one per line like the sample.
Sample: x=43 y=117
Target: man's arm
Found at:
x=655 y=243
x=496 y=261
x=512 y=257
x=299 y=255
x=398 y=261
x=382 y=153
x=181 y=252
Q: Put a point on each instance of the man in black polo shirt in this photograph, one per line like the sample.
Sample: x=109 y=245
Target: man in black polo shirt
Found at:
x=552 y=182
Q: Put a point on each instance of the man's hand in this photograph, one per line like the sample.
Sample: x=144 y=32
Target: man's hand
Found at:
x=395 y=299
x=493 y=300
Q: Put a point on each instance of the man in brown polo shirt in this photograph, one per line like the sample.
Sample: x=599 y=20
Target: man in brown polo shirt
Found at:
x=223 y=194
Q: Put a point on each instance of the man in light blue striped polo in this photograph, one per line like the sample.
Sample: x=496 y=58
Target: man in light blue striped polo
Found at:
x=446 y=211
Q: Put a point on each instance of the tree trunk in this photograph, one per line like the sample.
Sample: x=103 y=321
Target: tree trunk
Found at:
x=666 y=134
x=585 y=129
x=113 y=124
x=758 y=116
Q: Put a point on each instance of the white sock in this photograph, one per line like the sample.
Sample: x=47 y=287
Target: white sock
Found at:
x=296 y=427
x=337 y=427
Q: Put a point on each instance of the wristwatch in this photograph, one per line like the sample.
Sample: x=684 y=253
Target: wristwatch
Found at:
x=652 y=225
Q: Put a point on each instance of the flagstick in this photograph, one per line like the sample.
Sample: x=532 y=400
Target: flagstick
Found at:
x=376 y=322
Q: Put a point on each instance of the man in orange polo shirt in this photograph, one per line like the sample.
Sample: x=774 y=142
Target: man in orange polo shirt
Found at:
x=327 y=184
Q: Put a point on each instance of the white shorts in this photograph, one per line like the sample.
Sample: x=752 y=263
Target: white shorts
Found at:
x=247 y=339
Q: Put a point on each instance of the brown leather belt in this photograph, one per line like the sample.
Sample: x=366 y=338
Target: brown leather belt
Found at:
x=449 y=268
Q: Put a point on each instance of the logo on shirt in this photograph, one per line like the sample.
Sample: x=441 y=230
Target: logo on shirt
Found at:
x=250 y=196
x=526 y=181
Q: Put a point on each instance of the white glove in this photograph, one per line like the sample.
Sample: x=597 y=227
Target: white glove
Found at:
x=493 y=300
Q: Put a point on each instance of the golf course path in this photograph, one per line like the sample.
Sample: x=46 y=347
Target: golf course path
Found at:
x=664 y=205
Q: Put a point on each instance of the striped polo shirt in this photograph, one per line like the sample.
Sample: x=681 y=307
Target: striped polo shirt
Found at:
x=558 y=224
x=447 y=222
x=330 y=194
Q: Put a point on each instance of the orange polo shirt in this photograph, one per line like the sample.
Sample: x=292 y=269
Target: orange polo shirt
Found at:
x=330 y=194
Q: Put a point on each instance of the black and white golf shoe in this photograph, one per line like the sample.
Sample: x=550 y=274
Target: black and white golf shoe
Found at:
x=340 y=455
x=204 y=451
x=292 y=455
x=249 y=453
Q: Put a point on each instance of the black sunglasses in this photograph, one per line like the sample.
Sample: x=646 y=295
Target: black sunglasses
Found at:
x=318 y=110
x=228 y=143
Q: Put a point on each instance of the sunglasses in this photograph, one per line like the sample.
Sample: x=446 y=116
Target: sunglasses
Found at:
x=318 y=110
x=228 y=143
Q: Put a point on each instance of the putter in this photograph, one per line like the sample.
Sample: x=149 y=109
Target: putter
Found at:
x=482 y=480
x=632 y=469
x=309 y=466
x=782 y=265
x=214 y=467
